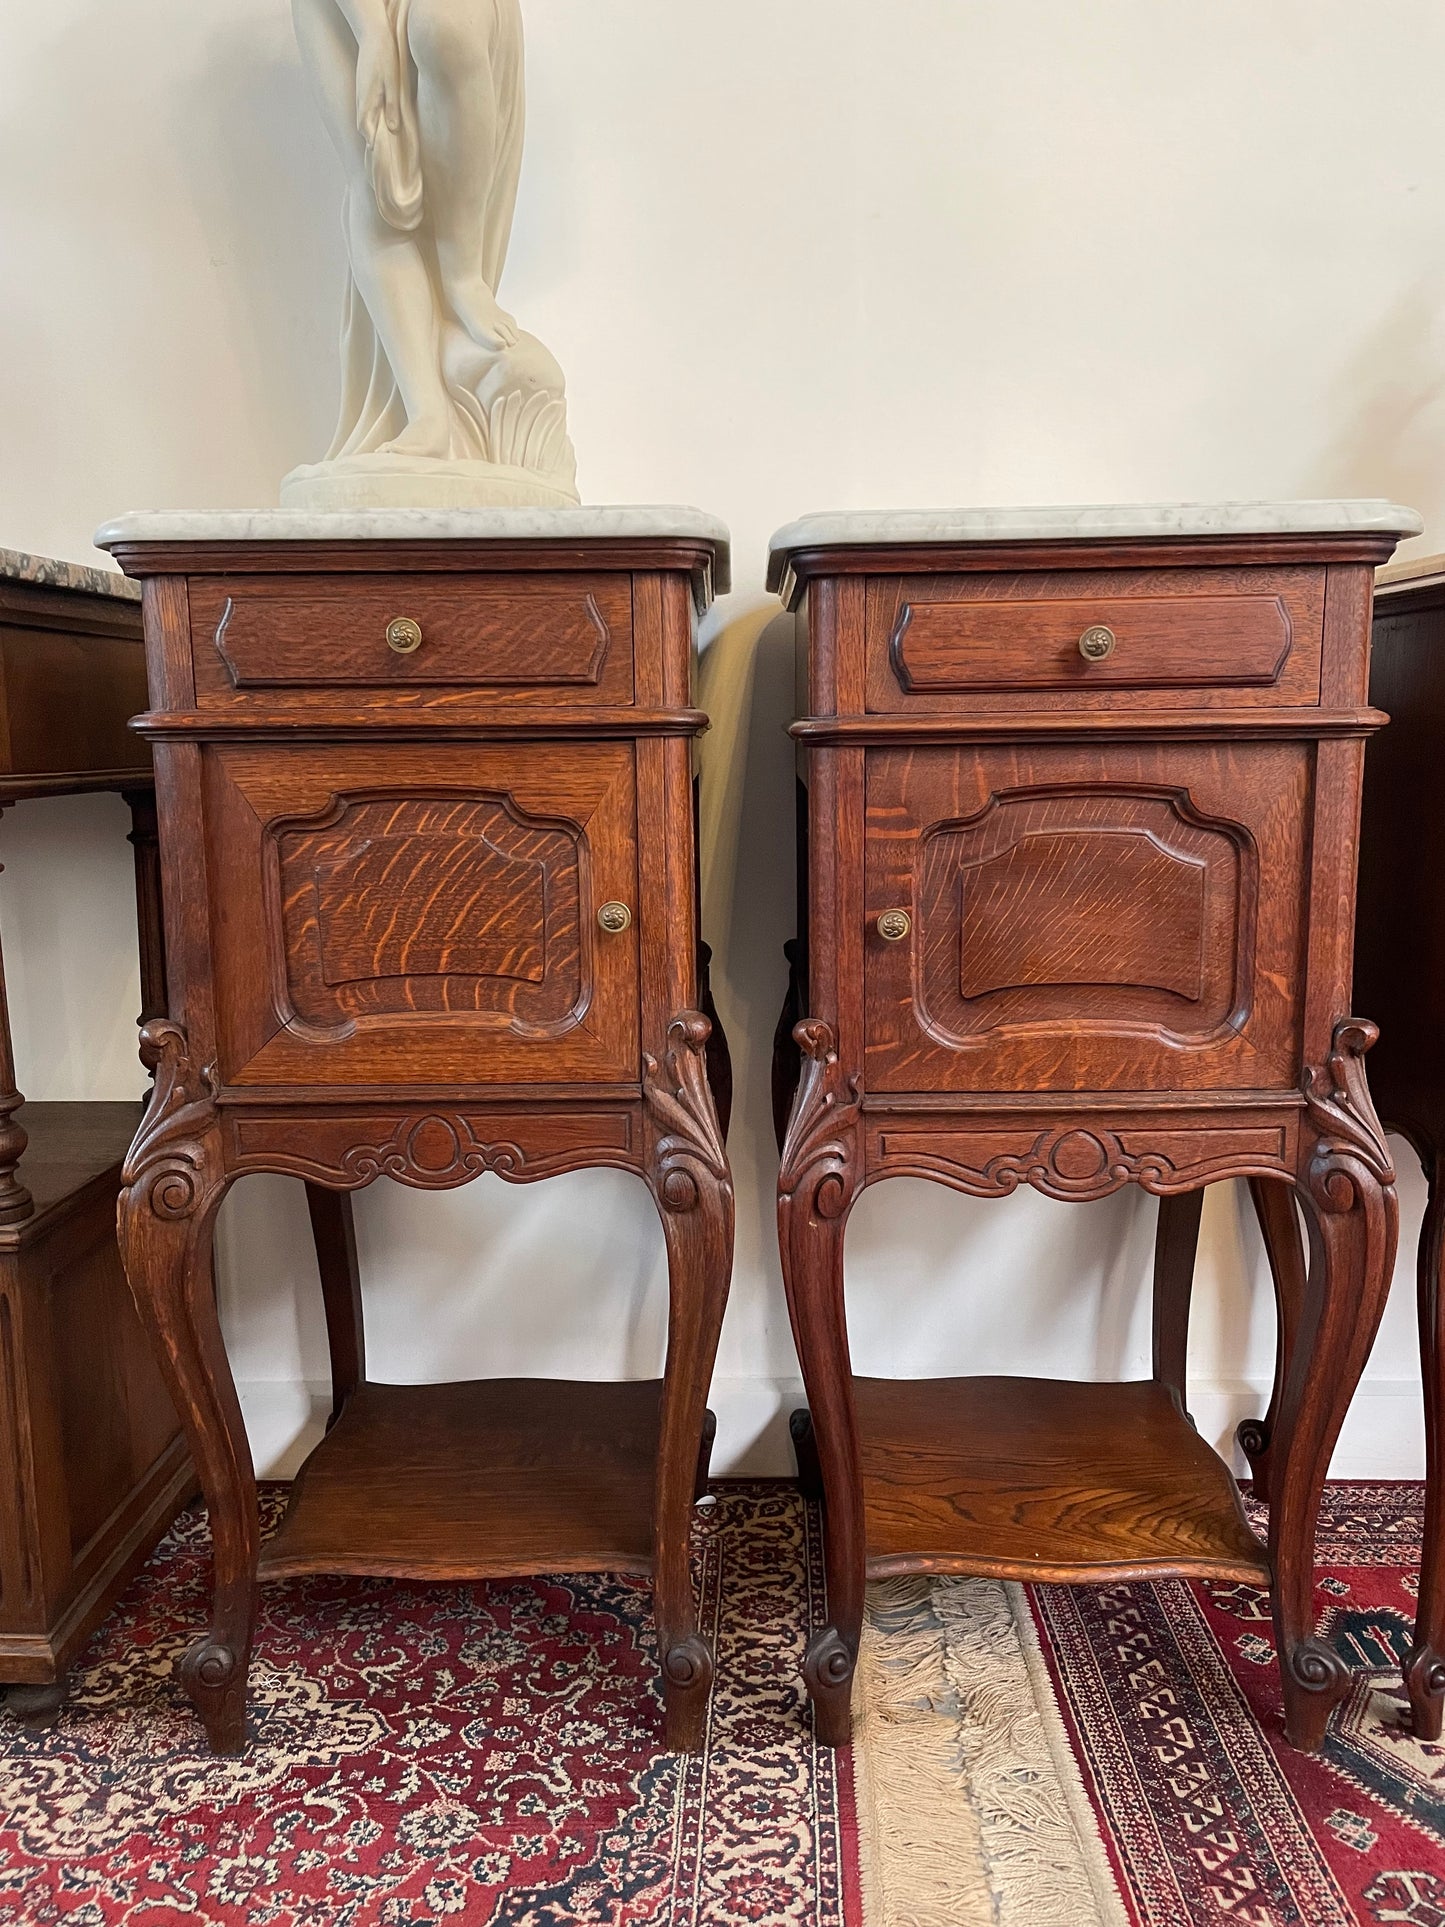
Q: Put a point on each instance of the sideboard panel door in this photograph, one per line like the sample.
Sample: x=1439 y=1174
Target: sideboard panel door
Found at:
x=1120 y=918
x=431 y=914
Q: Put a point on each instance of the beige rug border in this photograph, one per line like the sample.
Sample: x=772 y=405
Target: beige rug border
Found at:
x=972 y=1811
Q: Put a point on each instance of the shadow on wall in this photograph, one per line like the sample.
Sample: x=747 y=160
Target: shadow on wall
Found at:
x=938 y=1284
x=1389 y=402
x=248 y=136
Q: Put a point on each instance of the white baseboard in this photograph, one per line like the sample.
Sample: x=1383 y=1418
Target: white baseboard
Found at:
x=1383 y=1436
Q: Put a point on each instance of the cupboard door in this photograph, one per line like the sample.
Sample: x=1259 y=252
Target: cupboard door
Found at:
x=423 y=915
x=1117 y=918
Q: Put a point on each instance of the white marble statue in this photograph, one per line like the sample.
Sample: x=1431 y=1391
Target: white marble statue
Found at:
x=445 y=402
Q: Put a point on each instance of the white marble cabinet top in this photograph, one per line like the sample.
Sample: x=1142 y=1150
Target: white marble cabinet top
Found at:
x=1414 y=573
x=864 y=528
x=430 y=525
x=46 y=573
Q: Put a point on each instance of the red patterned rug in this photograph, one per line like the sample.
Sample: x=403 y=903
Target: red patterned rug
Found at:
x=427 y=1755
x=1173 y=1695
x=1028 y=1757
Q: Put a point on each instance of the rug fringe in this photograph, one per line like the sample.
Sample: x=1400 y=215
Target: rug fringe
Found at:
x=969 y=1814
x=919 y=1839
x=1111 y=1911
x=1038 y=1863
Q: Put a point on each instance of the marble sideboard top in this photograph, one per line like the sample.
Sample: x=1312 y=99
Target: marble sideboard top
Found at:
x=433 y=525
x=46 y=573
x=1416 y=572
x=864 y=528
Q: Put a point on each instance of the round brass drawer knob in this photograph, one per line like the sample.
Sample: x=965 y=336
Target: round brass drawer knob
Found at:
x=403 y=636
x=615 y=918
x=1098 y=644
x=895 y=926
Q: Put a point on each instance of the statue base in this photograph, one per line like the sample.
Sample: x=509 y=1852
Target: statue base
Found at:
x=421 y=482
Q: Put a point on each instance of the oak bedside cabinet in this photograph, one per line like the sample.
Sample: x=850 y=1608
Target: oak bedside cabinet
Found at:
x=425 y=794
x=1083 y=791
x=1400 y=981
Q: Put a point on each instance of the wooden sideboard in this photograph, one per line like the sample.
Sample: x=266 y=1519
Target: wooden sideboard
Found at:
x=93 y=1466
x=1080 y=841
x=426 y=814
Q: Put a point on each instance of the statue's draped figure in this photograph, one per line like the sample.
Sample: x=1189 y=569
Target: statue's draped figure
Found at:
x=444 y=400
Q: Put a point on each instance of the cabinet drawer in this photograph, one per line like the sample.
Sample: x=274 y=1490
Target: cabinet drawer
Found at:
x=403 y=915
x=1166 y=637
x=554 y=639
x=1125 y=918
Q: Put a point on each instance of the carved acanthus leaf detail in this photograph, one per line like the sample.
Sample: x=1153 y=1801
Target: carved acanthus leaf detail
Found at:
x=168 y=1164
x=1350 y=1156
x=819 y=1154
x=690 y=1153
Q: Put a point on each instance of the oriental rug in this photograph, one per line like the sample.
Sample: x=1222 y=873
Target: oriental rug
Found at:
x=434 y=1755
x=1115 y=1756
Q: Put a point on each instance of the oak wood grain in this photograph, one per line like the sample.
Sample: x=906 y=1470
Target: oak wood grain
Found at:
x=1076 y=939
x=485 y=639
x=477 y=1481
x=93 y=1464
x=1225 y=636
x=1043 y=1479
x=383 y=883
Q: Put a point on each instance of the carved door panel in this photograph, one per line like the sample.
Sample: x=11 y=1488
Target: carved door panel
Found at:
x=427 y=915
x=1116 y=918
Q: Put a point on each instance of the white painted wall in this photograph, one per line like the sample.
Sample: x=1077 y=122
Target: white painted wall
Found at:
x=794 y=254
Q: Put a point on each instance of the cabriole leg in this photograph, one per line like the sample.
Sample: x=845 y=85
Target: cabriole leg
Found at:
x=689 y=1179
x=1176 y=1246
x=334 y=1231
x=1278 y=1214
x=173 y=1185
x=1425 y=1669
x=819 y=1180
x=1347 y=1185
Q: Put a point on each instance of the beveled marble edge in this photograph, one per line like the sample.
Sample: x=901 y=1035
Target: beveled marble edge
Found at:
x=1416 y=572
x=430 y=525
x=858 y=528
x=45 y=572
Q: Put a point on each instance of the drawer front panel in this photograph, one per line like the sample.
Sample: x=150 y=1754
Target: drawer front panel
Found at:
x=400 y=915
x=555 y=639
x=1087 y=919
x=1162 y=635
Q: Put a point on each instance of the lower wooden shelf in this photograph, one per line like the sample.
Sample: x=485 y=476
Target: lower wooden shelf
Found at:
x=1025 y=1478
x=494 y=1479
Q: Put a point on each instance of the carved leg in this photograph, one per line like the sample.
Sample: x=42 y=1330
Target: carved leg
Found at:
x=787 y=1060
x=144 y=839
x=1274 y=1205
x=173 y=1184
x=690 y=1180
x=1425 y=1669
x=805 y=1451
x=820 y=1177
x=1347 y=1184
x=704 y=1456
x=334 y=1231
x=36 y=1707
x=1175 y=1246
x=719 y=1057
